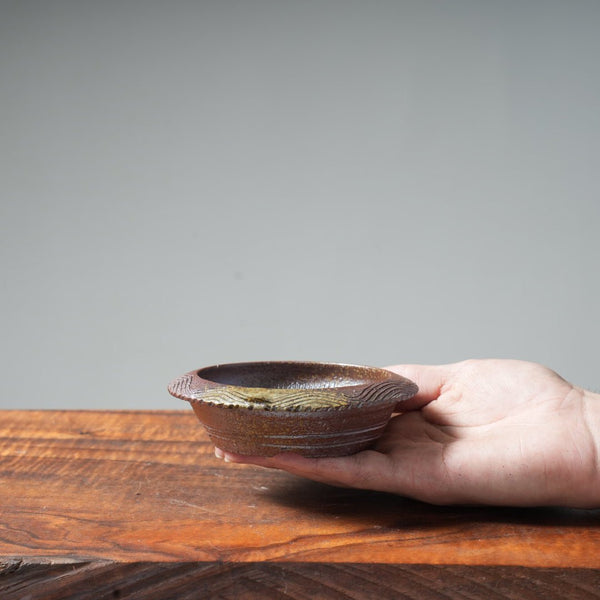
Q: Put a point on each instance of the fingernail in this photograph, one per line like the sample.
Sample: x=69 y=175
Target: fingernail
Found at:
x=219 y=453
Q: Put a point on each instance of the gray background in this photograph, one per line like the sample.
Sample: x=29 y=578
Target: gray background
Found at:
x=192 y=182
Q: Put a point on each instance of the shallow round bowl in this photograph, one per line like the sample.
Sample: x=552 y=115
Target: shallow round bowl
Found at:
x=313 y=409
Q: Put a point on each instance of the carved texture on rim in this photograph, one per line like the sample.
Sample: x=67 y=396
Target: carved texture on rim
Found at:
x=383 y=391
x=182 y=386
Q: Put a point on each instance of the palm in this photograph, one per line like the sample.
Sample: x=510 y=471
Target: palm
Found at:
x=496 y=431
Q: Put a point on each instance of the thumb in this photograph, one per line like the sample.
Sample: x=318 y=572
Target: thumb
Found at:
x=429 y=378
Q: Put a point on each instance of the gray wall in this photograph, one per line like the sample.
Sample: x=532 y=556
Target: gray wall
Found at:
x=191 y=182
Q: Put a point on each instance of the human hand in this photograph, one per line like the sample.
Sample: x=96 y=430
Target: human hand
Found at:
x=499 y=432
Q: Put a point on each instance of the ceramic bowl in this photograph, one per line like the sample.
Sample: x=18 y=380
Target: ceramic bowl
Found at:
x=313 y=409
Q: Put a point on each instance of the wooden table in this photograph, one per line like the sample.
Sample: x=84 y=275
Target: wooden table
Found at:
x=134 y=505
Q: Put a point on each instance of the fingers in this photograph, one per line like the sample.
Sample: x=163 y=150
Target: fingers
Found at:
x=366 y=470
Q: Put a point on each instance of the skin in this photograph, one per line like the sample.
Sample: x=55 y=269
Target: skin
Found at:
x=497 y=432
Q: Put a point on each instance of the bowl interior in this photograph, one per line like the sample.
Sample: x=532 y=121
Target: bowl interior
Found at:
x=292 y=375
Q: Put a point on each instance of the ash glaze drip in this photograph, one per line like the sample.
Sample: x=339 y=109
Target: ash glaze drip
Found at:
x=272 y=399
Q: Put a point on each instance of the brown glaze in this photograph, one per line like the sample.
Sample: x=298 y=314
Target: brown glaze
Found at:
x=314 y=409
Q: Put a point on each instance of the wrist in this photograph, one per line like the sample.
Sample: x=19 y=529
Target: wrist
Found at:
x=591 y=413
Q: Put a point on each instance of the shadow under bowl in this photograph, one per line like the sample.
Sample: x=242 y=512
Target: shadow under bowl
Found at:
x=310 y=408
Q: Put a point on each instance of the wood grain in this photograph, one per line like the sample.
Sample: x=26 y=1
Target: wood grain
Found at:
x=107 y=500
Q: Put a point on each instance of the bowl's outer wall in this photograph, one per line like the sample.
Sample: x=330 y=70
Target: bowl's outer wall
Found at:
x=312 y=434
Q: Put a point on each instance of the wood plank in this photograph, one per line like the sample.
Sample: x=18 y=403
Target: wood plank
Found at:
x=295 y=581
x=145 y=486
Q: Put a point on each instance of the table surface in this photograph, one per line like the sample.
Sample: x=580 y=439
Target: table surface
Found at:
x=132 y=503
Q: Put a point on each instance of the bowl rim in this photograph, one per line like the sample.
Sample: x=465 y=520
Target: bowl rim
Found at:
x=191 y=386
